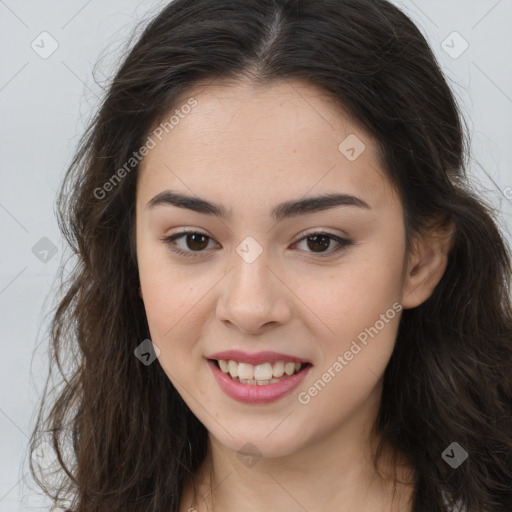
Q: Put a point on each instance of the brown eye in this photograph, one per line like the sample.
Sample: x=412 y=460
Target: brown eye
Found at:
x=194 y=242
x=319 y=243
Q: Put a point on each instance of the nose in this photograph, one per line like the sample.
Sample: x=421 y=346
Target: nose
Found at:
x=254 y=297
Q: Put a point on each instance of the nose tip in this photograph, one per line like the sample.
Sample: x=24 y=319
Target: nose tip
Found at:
x=253 y=299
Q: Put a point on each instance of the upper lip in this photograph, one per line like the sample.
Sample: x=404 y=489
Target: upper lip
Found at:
x=256 y=358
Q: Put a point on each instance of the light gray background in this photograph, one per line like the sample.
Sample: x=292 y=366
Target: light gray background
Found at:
x=45 y=104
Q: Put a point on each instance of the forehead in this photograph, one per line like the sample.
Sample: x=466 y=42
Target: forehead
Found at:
x=286 y=134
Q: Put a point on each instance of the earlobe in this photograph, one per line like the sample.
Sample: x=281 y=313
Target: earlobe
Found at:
x=426 y=266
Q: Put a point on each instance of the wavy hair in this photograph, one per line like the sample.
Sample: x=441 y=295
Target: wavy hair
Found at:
x=449 y=377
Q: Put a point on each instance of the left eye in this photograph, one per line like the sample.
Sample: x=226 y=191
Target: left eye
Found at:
x=197 y=242
x=321 y=240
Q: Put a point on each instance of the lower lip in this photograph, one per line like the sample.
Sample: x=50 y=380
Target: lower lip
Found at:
x=255 y=394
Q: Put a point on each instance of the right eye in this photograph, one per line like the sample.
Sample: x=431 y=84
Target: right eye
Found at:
x=194 y=240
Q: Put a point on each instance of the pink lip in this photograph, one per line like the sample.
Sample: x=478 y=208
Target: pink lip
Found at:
x=254 y=394
x=257 y=358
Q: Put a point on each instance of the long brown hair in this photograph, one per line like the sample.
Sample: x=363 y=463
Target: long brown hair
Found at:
x=125 y=439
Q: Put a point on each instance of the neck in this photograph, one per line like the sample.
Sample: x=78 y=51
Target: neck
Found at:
x=334 y=472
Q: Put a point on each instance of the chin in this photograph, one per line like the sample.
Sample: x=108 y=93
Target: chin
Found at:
x=259 y=442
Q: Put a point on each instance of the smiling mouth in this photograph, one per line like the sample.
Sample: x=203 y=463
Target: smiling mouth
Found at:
x=260 y=374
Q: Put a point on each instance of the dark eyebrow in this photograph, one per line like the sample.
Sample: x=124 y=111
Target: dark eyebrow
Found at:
x=278 y=213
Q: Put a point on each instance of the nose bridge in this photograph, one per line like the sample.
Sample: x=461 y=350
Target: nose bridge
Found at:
x=253 y=296
x=251 y=273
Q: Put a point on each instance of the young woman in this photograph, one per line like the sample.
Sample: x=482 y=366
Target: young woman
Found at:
x=287 y=297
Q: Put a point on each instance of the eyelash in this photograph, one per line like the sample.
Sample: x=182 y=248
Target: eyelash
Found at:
x=169 y=242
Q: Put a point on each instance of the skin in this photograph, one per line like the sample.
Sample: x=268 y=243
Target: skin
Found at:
x=249 y=149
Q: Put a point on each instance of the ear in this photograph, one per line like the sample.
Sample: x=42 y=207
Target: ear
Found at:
x=426 y=264
x=140 y=292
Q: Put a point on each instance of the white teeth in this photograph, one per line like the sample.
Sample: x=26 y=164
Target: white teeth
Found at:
x=245 y=371
x=260 y=374
x=263 y=371
x=232 y=368
x=278 y=369
x=289 y=368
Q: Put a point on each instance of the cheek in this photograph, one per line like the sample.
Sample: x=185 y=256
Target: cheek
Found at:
x=354 y=296
x=354 y=356
x=168 y=292
x=172 y=305
x=172 y=308
x=177 y=302
x=359 y=309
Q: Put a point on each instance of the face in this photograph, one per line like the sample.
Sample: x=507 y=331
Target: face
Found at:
x=320 y=285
